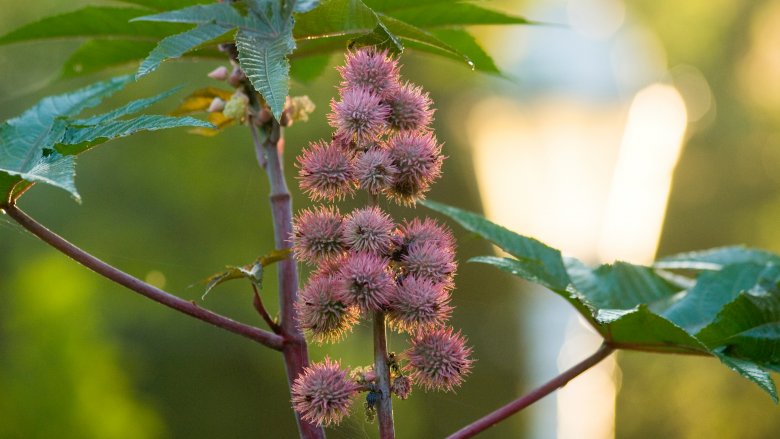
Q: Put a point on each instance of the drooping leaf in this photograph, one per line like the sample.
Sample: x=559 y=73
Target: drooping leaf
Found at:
x=252 y=271
x=732 y=314
x=31 y=145
x=26 y=142
x=91 y=22
x=177 y=45
x=335 y=18
x=464 y=42
x=409 y=33
x=716 y=258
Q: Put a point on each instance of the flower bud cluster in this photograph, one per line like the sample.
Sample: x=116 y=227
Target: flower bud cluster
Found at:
x=365 y=262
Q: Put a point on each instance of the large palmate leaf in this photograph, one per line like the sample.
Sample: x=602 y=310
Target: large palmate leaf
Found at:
x=264 y=39
x=731 y=312
x=40 y=145
x=115 y=39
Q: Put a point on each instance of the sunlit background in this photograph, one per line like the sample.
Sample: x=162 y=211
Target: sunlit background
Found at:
x=625 y=130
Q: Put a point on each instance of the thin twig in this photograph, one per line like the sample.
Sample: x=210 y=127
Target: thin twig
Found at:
x=260 y=308
x=540 y=392
x=265 y=338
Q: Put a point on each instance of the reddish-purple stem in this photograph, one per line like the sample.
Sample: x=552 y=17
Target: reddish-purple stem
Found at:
x=296 y=356
x=540 y=392
x=385 y=404
x=257 y=302
x=266 y=338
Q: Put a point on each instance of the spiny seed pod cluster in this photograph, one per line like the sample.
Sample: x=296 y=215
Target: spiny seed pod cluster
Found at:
x=364 y=262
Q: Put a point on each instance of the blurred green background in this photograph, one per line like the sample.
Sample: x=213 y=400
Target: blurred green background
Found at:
x=83 y=358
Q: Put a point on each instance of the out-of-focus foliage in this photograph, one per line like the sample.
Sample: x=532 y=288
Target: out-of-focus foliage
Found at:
x=59 y=361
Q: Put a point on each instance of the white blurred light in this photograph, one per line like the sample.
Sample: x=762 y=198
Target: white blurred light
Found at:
x=596 y=19
x=640 y=189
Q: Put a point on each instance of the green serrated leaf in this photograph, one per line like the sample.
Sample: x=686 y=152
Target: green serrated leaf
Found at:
x=699 y=306
x=335 y=18
x=90 y=22
x=220 y=13
x=618 y=286
x=263 y=57
x=177 y=45
x=447 y=14
x=78 y=139
x=28 y=143
x=550 y=263
x=381 y=37
x=639 y=327
x=464 y=42
x=409 y=33
x=716 y=258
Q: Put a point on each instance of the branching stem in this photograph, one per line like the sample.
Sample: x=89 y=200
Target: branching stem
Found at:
x=269 y=151
x=265 y=338
x=535 y=395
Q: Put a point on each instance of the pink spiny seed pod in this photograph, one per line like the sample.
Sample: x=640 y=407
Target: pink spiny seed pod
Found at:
x=432 y=262
x=318 y=235
x=439 y=360
x=416 y=232
x=369 y=230
x=325 y=172
x=410 y=109
x=374 y=171
x=401 y=387
x=324 y=311
x=370 y=69
x=418 y=305
x=328 y=267
x=360 y=114
x=418 y=159
x=322 y=393
x=368 y=281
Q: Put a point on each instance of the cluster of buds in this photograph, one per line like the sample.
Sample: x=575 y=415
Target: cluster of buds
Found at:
x=236 y=107
x=364 y=262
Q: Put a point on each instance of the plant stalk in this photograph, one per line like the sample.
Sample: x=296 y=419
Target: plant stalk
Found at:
x=381 y=367
x=296 y=356
x=540 y=392
x=265 y=338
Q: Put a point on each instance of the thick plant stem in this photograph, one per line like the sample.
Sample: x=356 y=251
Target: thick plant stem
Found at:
x=296 y=355
x=540 y=392
x=385 y=404
x=273 y=341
